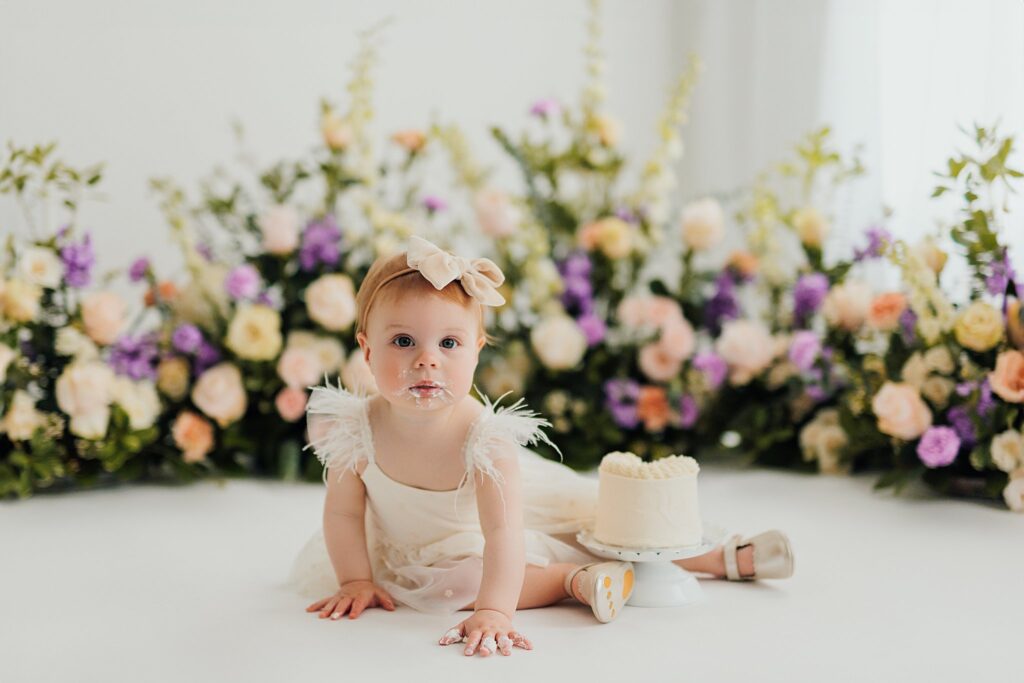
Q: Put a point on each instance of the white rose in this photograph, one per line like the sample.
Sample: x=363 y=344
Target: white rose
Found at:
x=22 y=419
x=84 y=388
x=331 y=301
x=1008 y=450
x=558 y=342
x=91 y=425
x=41 y=267
x=702 y=224
x=7 y=355
x=847 y=305
x=73 y=344
x=747 y=346
x=497 y=216
x=280 y=228
x=219 y=393
x=139 y=400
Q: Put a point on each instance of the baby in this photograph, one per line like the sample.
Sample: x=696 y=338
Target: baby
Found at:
x=432 y=500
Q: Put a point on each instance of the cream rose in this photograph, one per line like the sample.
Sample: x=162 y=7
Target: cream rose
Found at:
x=980 y=327
x=7 y=356
x=84 y=388
x=21 y=419
x=73 y=344
x=1007 y=450
x=811 y=226
x=748 y=348
x=1013 y=494
x=290 y=404
x=1007 y=380
x=172 y=377
x=329 y=351
x=847 y=305
x=255 y=332
x=495 y=213
x=331 y=302
x=823 y=439
x=193 y=435
x=558 y=342
x=930 y=253
x=900 y=411
x=19 y=300
x=702 y=224
x=299 y=367
x=940 y=360
x=103 y=316
x=139 y=400
x=41 y=267
x=280 y=228
x=915 y=371
x=220 y=395
x=937 y=390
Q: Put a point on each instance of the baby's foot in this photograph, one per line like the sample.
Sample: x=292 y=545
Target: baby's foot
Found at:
x=604 y=586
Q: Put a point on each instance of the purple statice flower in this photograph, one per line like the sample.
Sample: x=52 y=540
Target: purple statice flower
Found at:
x=205 y=250
x=186 y=338
x=78 y=262
x=593 y=328
x=433 y=203
x=878 y=239
x=804 y=349
x=964 y=389
x=577 y=264
x=321 y=244
x=908 y=327
x=723 y=305
x=207 y=356
x=135 y=357
x=545 y=108
x=138 y=269
x=621 y=396
x=64 y=230
x=1002 y=273
x=938 y=447
x=578 y=293
x=808 y=293
x=714 y=368
x=816 y=393
x=963 y=425
x=243 y=282
x=627 y=214
x=688 y=412
x=986 y=404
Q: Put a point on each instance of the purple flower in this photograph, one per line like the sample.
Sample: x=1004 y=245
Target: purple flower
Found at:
x=78 y=262
x=620 y=399
x=1002 y=273
x=207 y=356
x=878 y=239
x=320 y=244
x=243 y=282
x=985 y=401
x=804 y=349
x=204 y=250
x=187 y=338
x=135 y=357
x=963 y=425
x=816 y=393
x=938 y=447
x=545 y=108
x=714 y=368
x=433 y=203
x=964 y=389
x=908 y=327
x=808 y=293
x=688 y=412
x=576 y=265
x=138 y=269
x=627 y=214
x=723 y=305
x=593 y=328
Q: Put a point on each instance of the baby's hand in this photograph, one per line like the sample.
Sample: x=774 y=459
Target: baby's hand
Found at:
x=354 y=597
x=490 y=631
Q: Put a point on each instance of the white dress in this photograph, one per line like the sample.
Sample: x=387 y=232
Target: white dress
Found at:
x=426 y=547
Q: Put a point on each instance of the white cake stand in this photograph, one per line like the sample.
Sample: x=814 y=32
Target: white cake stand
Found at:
x=659 y=583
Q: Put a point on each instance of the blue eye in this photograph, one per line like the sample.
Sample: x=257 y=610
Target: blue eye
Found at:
x=449 y=343
x=403 y=341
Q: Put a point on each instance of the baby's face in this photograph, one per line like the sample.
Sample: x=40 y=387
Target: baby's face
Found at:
x=422 y=351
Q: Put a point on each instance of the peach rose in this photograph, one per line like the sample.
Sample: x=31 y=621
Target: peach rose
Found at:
x=103 y=316
x=299 y=367
x=653 y=408
x=280 y=228
x=702 y=224
x=356 y=375
x=1007 y=380
x=220 y=395
x=748 y=347
x=411 y=139
x=900 y=411
x=193 y=435
x=497 y=216
x=336 y=132
x=677 y=338
x=648 y=311
x=885 y=311
x=847 y=305
x=658 y=363
x=290 y=403
x=744 y=263
x=165 y=291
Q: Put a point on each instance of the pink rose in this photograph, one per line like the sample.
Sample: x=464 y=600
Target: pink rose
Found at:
x=280 y=227
x=901 y=412
x=885 y=311
x=748 y=347
x=677 y=339
x=497 y=216
x=103 y=316
x=290 y=403
x=658 y=364
x=648 y=311
x=219 y=393
x=1007 y=380
x=193 y=435
x=299 y=367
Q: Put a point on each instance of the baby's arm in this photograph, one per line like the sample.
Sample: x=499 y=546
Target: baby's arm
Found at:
x=501 y=518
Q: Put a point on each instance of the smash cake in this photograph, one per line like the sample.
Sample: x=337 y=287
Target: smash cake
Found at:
x=647 y=504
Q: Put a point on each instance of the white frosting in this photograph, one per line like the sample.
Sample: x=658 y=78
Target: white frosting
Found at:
x=647 y=505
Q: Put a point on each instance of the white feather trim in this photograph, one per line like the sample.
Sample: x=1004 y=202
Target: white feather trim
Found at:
x=339 y=431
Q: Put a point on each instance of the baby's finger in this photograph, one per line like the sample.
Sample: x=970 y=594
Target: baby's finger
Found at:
x=340 y=608
x=317 y=605
x=452 y=635
x=328 y=608
x=505 y=644
x=488 y=645
x=519 y=640
x=472 y=642
x=386 y=601
x=358 y=605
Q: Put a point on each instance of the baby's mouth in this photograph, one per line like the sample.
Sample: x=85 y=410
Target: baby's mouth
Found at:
x=426 y=388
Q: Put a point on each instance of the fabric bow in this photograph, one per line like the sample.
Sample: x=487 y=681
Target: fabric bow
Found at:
x=480 y=277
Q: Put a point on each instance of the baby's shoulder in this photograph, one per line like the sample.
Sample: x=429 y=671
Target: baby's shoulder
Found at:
x=339 y=431
x=499 y=431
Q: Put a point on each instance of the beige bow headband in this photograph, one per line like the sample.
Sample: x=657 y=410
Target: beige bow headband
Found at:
x=479 y=277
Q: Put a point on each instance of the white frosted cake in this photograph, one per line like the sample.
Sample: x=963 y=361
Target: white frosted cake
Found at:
x=647 y=504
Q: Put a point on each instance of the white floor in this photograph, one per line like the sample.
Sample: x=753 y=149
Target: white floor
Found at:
x=172 y=584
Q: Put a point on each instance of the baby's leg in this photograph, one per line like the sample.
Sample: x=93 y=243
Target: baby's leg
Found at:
x=542 y=586
x=714 y=562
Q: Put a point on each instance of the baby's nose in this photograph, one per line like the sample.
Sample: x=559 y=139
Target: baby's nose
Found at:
x=426 y=359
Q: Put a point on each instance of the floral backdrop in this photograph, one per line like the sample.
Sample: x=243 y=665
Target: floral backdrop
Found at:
x=636 y=317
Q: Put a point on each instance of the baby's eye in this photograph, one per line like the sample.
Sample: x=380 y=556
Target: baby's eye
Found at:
x=449 y=343
x=402 y=341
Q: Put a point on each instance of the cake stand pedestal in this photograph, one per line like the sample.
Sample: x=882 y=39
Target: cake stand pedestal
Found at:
x=659 y=583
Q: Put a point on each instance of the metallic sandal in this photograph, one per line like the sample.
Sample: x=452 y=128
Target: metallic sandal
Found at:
x=605 y=585
x=773 y=556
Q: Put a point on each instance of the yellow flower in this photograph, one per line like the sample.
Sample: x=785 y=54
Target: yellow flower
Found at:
x=255 y=332
x=606 y=128
x=172 y=377
x=19 y=300
x=980 y=327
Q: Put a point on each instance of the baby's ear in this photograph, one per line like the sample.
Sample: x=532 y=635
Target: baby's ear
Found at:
x=480 y=343
x=364 y=345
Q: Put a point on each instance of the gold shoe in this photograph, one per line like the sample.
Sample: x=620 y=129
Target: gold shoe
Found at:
x=605 y=585
x=773 y=556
